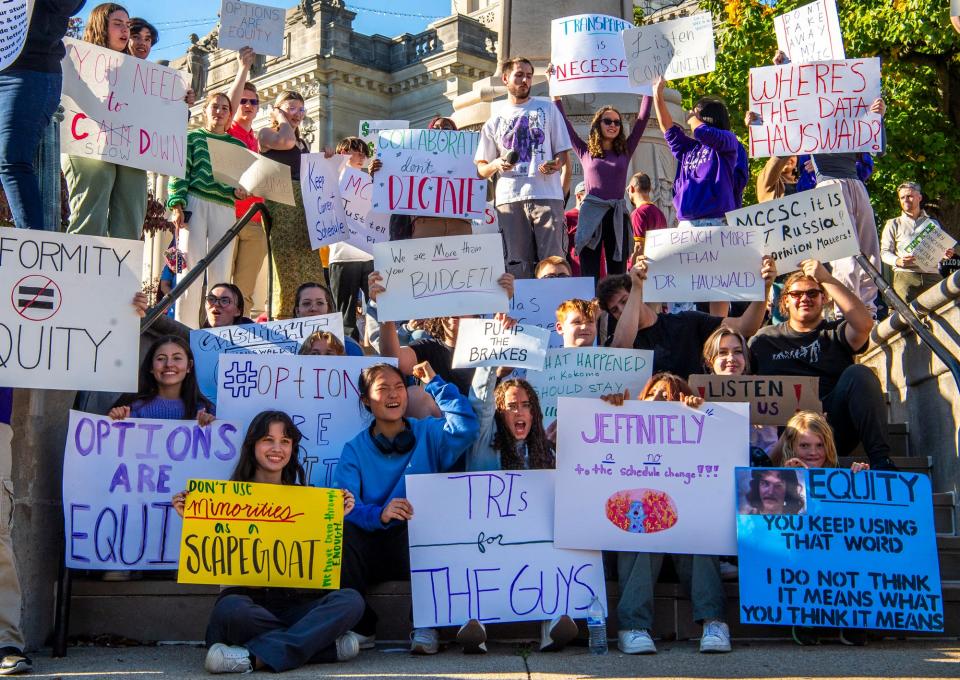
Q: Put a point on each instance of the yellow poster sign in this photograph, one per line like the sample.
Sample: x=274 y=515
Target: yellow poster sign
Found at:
x=247 y=534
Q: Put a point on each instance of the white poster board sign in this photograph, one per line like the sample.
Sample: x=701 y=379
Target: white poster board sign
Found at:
x=649 y=476
x=822 y=107
x=678 y=48
x=444 y=276
x=68 y=321
x=119 y=478
x=318 y=392
x=246 y=24
x=485 y=342
x=237 y=166
x=14 y=21
x=811 y=224
x=364 y=226
x=703 y=264
x=535 y=301
x=320 y=186
x=481 y=547
x=123 y=110
x=489 y=223
x=369 y=130
x=586 y=51
x=930 y=246
x=810 y=33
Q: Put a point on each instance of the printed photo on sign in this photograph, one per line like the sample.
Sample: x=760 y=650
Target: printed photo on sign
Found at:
x=364 y=226
x=245 y=24
x=487 y=342
x=678 y=48
x=586 y=51
x=773 y=399
x=13 y=29
x=810 y=33
x=535 y=301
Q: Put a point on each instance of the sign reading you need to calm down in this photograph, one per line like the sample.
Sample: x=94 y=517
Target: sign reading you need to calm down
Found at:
x=245 y=24
x=678 y=48
x=586 y=51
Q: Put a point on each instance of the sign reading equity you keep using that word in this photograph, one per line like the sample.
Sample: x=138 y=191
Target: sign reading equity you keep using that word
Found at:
x=245 y=24
x=14 y=20
x=487 y=342
x=319 y=393
x=929 y=246
x=274 y=535
x=370 y=130
x=586 y=51
x=811 y=224
x=123 y=110
x=823 y=107
x=446 y=276
x=238 y=167
x=481 y=547
x=830 y=547
x=649 y=476
x=119 y=478
x=535 y=301
x=364 y=226
x=810 y=33
x=68 y=321
x=703 y=264
x=429 y=172
x=679 y=48
x=322 y=202
x=773 y=399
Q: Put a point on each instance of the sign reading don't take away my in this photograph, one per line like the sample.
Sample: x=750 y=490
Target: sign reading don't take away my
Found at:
x=810 y=33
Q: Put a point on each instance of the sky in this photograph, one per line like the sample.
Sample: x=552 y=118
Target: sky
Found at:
x=177 y=19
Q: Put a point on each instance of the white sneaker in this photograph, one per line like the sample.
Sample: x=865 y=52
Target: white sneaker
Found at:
x=348 y=646
x=424 y=641
x=716 y=638
x=472 y=636
x=636 y=642
x=223 y=658
x=366 y=641
x=556 y=634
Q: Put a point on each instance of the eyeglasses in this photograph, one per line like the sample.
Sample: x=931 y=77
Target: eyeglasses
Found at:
x=221 y=301
x=251 y=102
x=555 y=275
x=293 y=111
x=811 y=294
x=610 y=121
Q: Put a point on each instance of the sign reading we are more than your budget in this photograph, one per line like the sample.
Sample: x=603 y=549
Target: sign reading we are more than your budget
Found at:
x=245 y=24
x=68 y=321
x=586 y=51
x=119 y=478
x=673 y=49
x=831 y=547
x=123 y=110
x=481 y=547
x=274 y=535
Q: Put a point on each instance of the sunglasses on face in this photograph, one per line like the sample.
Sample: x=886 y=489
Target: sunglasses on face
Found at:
x=610 y=121
x=811 y=294
x=224 y=301
x=251 y=102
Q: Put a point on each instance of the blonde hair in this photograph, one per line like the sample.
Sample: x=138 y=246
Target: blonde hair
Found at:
x=813 y=423
x=333 y=342
x=586 y=307
x=285 y=96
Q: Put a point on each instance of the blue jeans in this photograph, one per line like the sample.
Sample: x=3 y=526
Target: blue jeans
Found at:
x=28 y=100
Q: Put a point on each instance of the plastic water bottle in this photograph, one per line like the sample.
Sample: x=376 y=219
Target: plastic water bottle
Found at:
x=597 y=626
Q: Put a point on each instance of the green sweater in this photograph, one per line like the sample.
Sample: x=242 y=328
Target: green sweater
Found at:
x=199 y=179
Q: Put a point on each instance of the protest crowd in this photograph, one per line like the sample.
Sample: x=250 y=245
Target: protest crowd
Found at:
x=424 y=333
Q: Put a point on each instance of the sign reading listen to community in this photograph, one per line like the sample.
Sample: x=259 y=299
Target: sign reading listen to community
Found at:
x=535 y=301
x=488 y=342
x=673 y=49
x=273 y=535
x=123 y=110
x=429 y=172
x=237 y=166
x=811 y=224
x=14 y=21
x=831 y=547
x=318 y=392
x=649 y=476
x=586 y=51
x=703 y=264
x=119 y=478
x=773 y=399
x=445 y=276
x=369 y=130
x=364 y=226
x=68 y=321
x=322 y=202
x=810 y=33
x=245 y=24
x=929 y=246
x=481 y=547
x=823 y=107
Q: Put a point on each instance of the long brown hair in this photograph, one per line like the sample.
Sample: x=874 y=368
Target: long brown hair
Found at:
x=676 y=386
x=286 y=96
x=539 y=450
x=595 y=142
x=97 y=29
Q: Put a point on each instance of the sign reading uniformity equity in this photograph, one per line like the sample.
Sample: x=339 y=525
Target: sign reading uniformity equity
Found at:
x=929 y=246
x=245 y=24
x=123 y=110
x=773 y=399
x=14 y=21
x=370 y=130
x=319 y=393
x=487 y=342
x=429 y=172
x=823 y=107
x=320 y=184
x=586 y=51
x=649 y=476
x=535 y=301
x=68 y=321
x=703 y=264
x=810 y=33
x=274 y=535
x=119 y=478
x=271 y=337
x=445 y=276
x=811 y=224
x=831 y=547
x=364 y=226
x=589 y=372
x=678 y=48
x=237 y=166
x=481 y=547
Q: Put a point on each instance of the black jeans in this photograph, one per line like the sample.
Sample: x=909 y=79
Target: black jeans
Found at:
x=609 y=235
x=372 y=557
x=346 y=278
x=855 y=409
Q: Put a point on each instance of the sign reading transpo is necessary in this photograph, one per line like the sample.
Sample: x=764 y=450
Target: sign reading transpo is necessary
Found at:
x=123 y=110
x=487 y=342
x=245 y=24
x=810 y=33
x=322 y=202
x=678 y=48
x=811 y=224
x=272 y=535
x=364 y=226
x=773 y=399
x=649 y=476
x=481 y=547
x=13 y=29
x=586 y=51
x=237 y=166
x=831 y=547
x=930 y=246
x=535 y=301
x=823 y=107
x=67 y=319
x=119 y=478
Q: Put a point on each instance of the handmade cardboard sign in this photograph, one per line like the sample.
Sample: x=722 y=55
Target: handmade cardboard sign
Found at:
x=237 y=166
x=486 y=342
x=481 y=547
x=245 y=24
x=773 y=399
x=929 y=246
x=673 y=49
x=14 y=21
x=364 y=226
x=535 y=301
x=586 y=51
x=320 y=185
x=835 y=548
x=370 y=130
x=119 y=478
x=810 y=33
x=271 y=535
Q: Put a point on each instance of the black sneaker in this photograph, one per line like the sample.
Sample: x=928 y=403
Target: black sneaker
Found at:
x=853 y=637
x=806 y=637
x=13 y=661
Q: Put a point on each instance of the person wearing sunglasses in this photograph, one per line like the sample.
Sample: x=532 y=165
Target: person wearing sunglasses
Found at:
x=806 y=344
x=224 y=306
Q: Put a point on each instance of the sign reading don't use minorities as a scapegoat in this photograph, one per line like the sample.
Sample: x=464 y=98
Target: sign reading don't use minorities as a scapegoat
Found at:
x=673 y=49
x=773 y=399
x=831 y=547
x=68 y=321
x=586 y=52
x=245 y=24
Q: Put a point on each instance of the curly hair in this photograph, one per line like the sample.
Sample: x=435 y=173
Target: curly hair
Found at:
x=539 y=449
x=595 y=141
x=435 y=327
x=97 y=30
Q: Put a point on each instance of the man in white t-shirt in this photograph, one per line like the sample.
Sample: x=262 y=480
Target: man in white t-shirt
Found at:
x=526 y=142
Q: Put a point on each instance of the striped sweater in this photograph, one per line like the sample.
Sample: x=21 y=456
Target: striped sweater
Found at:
x=199 y=175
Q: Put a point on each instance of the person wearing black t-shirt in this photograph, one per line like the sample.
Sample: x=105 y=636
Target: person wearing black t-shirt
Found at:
x=808 y=345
